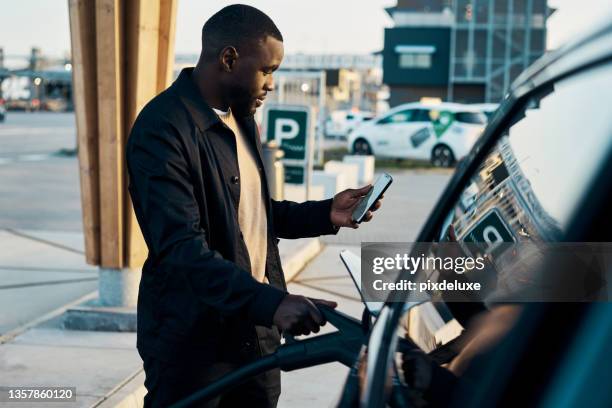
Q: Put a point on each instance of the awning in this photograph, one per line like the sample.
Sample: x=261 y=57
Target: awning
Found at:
x=415 y=49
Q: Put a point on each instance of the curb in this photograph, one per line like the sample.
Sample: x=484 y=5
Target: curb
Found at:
x=10 y=335
x=130 y=394
x=294 y=263
x=127 y=395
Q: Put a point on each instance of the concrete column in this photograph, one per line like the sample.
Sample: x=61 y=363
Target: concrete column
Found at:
x=118 y=287
x=115 y=308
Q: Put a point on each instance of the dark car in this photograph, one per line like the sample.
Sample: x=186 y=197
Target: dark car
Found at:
x=534 y=191
x=538 y=180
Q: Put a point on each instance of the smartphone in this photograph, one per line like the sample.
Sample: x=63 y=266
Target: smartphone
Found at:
x=366 y=203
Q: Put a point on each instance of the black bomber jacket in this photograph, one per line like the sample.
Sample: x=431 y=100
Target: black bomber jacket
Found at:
x=197 y=296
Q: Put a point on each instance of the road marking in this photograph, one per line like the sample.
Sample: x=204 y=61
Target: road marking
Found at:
x=44 y=241
x=46 y=283
x=43 y=269
x=32 y=157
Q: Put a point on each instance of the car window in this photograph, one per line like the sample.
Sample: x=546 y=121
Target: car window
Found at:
x=398 y=117
x=476 y=118
x=421 y=115
x=526 y=192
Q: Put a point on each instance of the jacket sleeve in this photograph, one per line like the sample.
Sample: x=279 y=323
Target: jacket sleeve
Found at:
x=162 y=188
x=301 y=220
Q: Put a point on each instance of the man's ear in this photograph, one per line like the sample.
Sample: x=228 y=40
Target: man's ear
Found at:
x=228 y=57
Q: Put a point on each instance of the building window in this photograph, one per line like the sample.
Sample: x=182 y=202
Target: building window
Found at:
x=419 y=61
x=415 y=56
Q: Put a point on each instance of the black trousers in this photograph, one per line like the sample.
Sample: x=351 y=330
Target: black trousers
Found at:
x=170 y=382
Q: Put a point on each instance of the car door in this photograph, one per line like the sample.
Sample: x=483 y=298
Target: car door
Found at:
x=422 y=138
x=388 y=134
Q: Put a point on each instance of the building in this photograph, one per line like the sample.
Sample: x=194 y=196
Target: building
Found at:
x=352 y=82
x=461 y=50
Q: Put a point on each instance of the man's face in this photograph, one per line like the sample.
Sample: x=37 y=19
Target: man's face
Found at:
x=251 y=76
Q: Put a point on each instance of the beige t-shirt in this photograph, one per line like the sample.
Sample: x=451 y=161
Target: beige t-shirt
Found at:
x=252 y=217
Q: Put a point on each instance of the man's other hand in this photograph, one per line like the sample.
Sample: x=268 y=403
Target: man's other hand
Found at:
x=344 y=204
x=299 y=315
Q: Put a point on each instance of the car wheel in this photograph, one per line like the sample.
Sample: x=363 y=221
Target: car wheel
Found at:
x=362 y=147
x=442 y=156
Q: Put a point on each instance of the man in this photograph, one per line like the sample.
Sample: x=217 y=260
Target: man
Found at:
x=212 y=294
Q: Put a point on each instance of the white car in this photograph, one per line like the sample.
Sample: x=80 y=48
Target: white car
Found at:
x=340 y=123
x=442 y=133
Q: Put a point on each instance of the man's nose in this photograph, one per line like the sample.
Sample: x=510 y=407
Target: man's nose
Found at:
x=269 y=85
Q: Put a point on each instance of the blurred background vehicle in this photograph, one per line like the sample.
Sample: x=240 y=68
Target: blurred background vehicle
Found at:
x=2 y=110
x=442 y=133
x=341 y=122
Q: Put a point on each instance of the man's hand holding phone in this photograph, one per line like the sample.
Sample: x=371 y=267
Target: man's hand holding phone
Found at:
x=364 y=200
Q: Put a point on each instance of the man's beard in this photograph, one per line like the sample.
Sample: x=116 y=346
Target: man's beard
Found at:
x=243 y=108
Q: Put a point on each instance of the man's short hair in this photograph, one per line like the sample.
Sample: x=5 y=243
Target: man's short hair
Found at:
x=237 y=25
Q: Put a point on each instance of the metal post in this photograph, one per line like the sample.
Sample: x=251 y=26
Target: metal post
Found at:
x=471 y=54
x=281 y=89
x=320 y=119
x=528 y=26
x=451 y=65
x=275 y=170
x=508 y=56
x=489 y=60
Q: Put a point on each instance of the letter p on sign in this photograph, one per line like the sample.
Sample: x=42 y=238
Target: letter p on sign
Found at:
x=285 y=128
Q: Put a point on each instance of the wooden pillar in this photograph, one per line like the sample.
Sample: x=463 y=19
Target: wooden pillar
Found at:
x=110 y=49
x=142 y=38
x=84 y=78
x=165 y=49
x=123 y=55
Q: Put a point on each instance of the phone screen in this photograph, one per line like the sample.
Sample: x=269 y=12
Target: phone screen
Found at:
x=374 y=194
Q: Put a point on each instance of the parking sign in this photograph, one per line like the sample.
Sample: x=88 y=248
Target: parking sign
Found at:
x=490 y=233
x=290 y=127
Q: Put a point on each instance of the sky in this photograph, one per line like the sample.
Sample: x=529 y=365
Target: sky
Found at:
x=308 y=26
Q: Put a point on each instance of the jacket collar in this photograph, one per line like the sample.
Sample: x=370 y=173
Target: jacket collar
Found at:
x=187 y=91
x=204 y=116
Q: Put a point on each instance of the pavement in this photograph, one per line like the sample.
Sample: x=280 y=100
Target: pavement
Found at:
x=40 y=271
x=36 y=349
